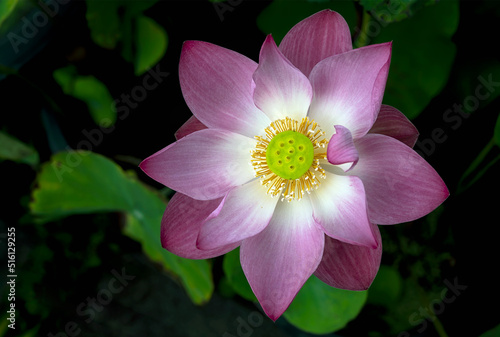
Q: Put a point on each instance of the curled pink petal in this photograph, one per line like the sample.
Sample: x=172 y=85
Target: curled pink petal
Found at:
x=281 y=90
x=246 y=212
x=315 y=38
x=190 y=126
x=341 y=149
x=217 y=86
x=278 y=260
x=400 y=185
x=181 y=224
x=347 y=266
x=348 y=89
x=339 y=206
x=391 y=122
x=203 y=165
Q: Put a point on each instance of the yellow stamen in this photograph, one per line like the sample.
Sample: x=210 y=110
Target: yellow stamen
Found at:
x=290 y=189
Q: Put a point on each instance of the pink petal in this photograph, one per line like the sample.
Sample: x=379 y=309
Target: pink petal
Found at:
x=348 y=89
x=391 y=122
x=190 y=126
x=341 y=149
x=339 y=206
x=181 y=224
x=281 y=90
x=283 y=256
x=217 y=86
x=315 y=38
x=400 y=185
x=246 y=211
x=204 y=165
x=348 y=266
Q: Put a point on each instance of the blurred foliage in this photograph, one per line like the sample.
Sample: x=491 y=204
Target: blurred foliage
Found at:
x=320 y=309
x=486 y=159
x=386 y=287
x=471 y=74
x=90 y=90
x=390 y=11
x=151 y=43
x=431 y=29
x=496 y=133
x=235 y=276
x=13 y=149
x=84 y=182
x=6 y=7
x=121 y=23
x=495 y=332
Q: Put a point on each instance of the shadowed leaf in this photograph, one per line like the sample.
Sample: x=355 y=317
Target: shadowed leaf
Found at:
x=79 y=182
x=319 y=308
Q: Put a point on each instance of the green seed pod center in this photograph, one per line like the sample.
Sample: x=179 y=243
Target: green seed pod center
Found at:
x=290 y=154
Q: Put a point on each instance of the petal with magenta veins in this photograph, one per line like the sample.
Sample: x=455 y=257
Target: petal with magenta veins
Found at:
x=347 y=266
x=246 y=211
x=400 y=185
x=339 y=207
x=281 y=90
x=348 y=89
x=217 y=86
x=280 y=259
x=181 y=224
x=204 y=165
x=315 y=38
x=393 y=123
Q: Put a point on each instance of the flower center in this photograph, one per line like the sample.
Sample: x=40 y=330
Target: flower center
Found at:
x=287 y=158
x=290 y=154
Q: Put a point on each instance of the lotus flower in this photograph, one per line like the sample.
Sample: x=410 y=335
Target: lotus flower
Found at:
x=293 y=159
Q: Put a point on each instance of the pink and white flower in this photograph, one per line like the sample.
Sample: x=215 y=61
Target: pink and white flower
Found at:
x=293 y=159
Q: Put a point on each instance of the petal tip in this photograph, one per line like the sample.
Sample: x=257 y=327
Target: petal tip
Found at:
x=144 y=165
x=188 y=44
x=272 y=310
x=274 y=318
x=200 y=242
x=384 y=44
x=445 y=192
x=327 y=13
x=369 y=241
x=269 y=39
